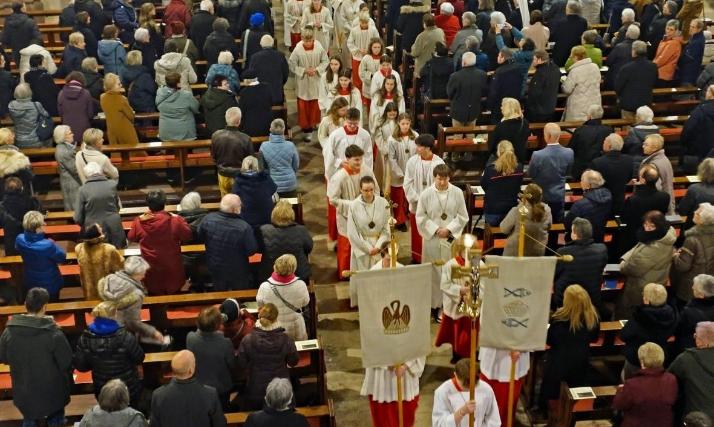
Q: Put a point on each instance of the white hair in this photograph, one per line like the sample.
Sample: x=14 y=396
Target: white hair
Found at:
x=279 y=394
x=447 y=8
x=706 y=213
x=498 y=18
x=92 y=169
x=225 y=57
x=191 y=200
x=628 y=15
x=644 y=114
x=616 y=142
x=233 y=116
x=59 y=133
x=135 y=265
x=266 y=41
x=593 y=178
x=595 y=111
x=468 y=59
x=207 y=5
x=633 y=32
x=142 y=34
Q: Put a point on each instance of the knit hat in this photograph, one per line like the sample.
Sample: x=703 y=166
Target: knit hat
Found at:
x=230 y=310
x=257 y=19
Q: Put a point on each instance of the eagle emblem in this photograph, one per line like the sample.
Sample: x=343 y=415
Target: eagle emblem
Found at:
x=396 y=320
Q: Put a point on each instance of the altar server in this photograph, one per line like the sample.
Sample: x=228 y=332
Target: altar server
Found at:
x=400 y=148
x=452 y=406
x=367 y=226
x=496 y=371
x=380 y=385
x=358 y=44
x=351 y=133
x=308 y=61
x=319 y=18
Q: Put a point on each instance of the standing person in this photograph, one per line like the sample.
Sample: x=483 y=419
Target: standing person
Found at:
x=668 y=53
x=328 y=81
x=425 y=43
x=219 y=40
x=272 y=67
x=216 y=101
x=644 y=198
x=95 y=80
x=255 y=99
x=387 y=94
x=250 y=39
x=451 y=404
x=595 y=206
x=538 y=223
x=693 y=371
x=119 y=114
x=229 y=147
x=567 y=34
x=334 y=151
x=588 y=139
x=175 y=61
x=91 y=151
x=501 y=183
x=345 y=88
x=465 y=90
x=512 y=127
x=75 y=104
x=582 y=85
x=380 y=386
x=112 y=408
x=255 y=187
x=14 y=205
x=281 y=159
x=289 y=294
x=13 y=162
x=230 y=241
x=694 y=133
x=176 y=11
x=369 y=66
x=690 y=61
x=615 y=168
x=367 y=226
x=44 y=89
x=358 y=42
x=98 y=203
x=184 y=401
x=110 y=50
x=549 y=167
x=40 y=256
x=293 y=22
x=317 y=19
x=25 y=114
x=159 y=235
x=96 y=259
x=495 y=367
x=141 y=91
x=73 y=55
x=695 y=257
x=332 y=120
x=543 y=88
x=177 y=110
x=635 y=81
x=20 y=30
x=202 y=25
x=698 y=193
x=653 y=148
x=224 y=67
x=40 y=360
x=124 y=16
x=308 y=62
x=400 y=148
x=699 y=309
x=284 y=236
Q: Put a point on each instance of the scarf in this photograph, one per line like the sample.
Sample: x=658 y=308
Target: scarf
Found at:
x=283 y=279
x=647 y=237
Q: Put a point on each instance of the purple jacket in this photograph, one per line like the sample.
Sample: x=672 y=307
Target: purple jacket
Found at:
x=76 y=107
x=647 y=399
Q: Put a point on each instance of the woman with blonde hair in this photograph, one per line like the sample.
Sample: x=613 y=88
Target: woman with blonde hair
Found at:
x=513 y=127
x=401 y=146
x=381 y=130
x=538 y=222
x=582 y=85
x=96 y=259
x=289 y=294
x=501 y=182
x=572 y=327
x=13 y=162
x=119 y=114
x=284 y=236
x=333 y=119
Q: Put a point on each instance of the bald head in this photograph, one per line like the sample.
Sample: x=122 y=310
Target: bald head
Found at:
x=551 y=132
x=230 y=203
x=183 y=365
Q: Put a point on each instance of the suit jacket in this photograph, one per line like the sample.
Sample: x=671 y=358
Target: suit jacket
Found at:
x=465 y=89
x=634 y=83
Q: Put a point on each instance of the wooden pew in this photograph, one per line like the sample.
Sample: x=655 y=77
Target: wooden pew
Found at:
x=317 y=416
x=584 y=403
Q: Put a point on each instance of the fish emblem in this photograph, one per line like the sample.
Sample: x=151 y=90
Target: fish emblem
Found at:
x=518 y=293
x=515 y=323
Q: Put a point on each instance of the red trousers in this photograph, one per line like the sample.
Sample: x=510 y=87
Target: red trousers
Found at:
x=416 y=238
x=343 y=255
x=457 y=333
x=402 y=208
x=387 y=414
x=308 y=113
x=500 y=389
x=294 y=40
x=356 y=81
x=331 y=222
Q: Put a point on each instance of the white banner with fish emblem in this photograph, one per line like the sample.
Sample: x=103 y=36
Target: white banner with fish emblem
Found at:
x=394 y=314
x=516 y=302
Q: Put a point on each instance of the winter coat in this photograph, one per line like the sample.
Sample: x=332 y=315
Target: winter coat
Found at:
x=634 y=83
x=548 y=168
x=176 y=11
x=230 y=241
x=19 y=32
x=667 y=55
x=98 y=202
x=40 y=259
x=458 y=44
x=543 y=92
x=90 y=154
x=643 y=264
x=125 y=19
x=647 y=399
x=98 y=417
x=149 y=53
x=201 y=27
x=516 y=131
x=282 y=162
x=126 y=293
x=501 y=191
x=256 y=103
x=697 y=310
x=44 y=89
x=589 y=260
x=34 y=49
x=69 y=179
x=270 y=417
x=465 y=89
x=619 y=56
x=95 y=83
x=96 y=260
x=656 y=32
x=291 y=239
x=215 y=360
x=217 y=42
x=648 y=324
x=636 y=136
x=690 y=62
x=14 y=163
x=90 y=40
x=596 y=207
x=409 y=24
x=695 y=257
x=214 y=103
x=272 y=67
x=507 y=82
x=616 y=169
x=24 y=114
x=435 y=76
x=266 y=354
x=97 y=16
x=591 y=11
x=425 y=45
x=76 y=107
x=225 y=70
x=592 y=52
x=229 y=9
x=71 y=60
x=255 y=6
x=141 y=88
x=13 y=207
x=176 y=114
x=8 y=82
x=250 y=43
x=40 y=360
x=705 y=79
x=160 y=235
x=538 y=230
x=566 y=35
x=697 y=129
x=112 y=55
x=586 y=144
x=696 y=194
x=229 y=147
x=120 y=119
x=256 y=190
x=294 y=291
x=179 y=63
x=110 y=351
x=186 y=403
x=643 y=199
x=695 y=375
x=583 y=89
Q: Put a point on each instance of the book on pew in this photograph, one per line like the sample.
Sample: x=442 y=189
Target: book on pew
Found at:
x=132 y=252
x=693 y=179
x=477 y=190
x=623 y=322
x=580 y=393
x=307 y=345
x=480 y=139
x=673 y=219
x=611 y=268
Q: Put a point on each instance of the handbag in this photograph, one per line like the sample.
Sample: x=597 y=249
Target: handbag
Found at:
x=45 y=126
x=305 y=311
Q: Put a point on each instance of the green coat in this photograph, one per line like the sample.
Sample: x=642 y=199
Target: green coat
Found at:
x=592 y=52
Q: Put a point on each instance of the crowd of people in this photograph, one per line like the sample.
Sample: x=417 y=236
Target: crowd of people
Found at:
x=351 y=98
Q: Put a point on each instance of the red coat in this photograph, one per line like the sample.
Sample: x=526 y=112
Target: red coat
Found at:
x=176 y=10
x=160 y=235
x=647 y=399
x=450 y=24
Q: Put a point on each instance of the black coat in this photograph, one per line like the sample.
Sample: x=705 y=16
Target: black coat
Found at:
x=648 y=324
x=216 y=42
x=543 y=91
x=698 y=130
x=67 y=19
x=697 y=310
x=149 y=54
x=696 y=194
x=465 y=89
x=110 y=351
x=514 y=130
x=655 y=34
x=272 y=68
x=616 y=169
x=255 y=6
x=186 y=403
x=201 y=27
x=19 y=32
x=435 y=76
x=269 y=417
x=214 y=103
x=589 y=260
x=13 y=208
x=8 y=82
x=96 y=15
x=634 y=83
x=643 y=200
x=71 y=60
x=95 y=84
x=490 y=48
x=409 y=24
x=229 y=9
x=501 y=190
x=89 y=38
x=507 y=83
x=44 y=89
x=566 y=35
x=256 y=191
x=292 y=239
x=618 y=56
x=141 y=88
x=250 y=44
x=587 y=144
x=256 y=104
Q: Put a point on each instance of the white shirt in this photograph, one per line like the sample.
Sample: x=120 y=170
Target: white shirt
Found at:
x=333 y=152
x=496 y=364
x=448 y=399
x=418 y=176
x=381 y=382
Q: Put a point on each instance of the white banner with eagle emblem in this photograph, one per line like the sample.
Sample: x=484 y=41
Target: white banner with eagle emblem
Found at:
x=516 y=302
x=394 y=314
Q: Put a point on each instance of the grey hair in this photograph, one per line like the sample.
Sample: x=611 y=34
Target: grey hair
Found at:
x=705 y=171
x=498 y=18
x=704 y=284
x=697 y=419
x=706 y=213
x=583 y=228
x=90 y=64
x=277 y=127
x=114 y=396
x=628 y=14
x=279 y=394
x=142 y=34
x=616 y=142
x=573 y=8
x=673 y=23
x=135 y=265
x=469 y=16
x=639 y=48
x=59 y=133
x=250 y=164
x=190 y=201
x=644 y=114
x=705 y=332
x=471 y=41
x=233 y=116
x=225 y=57
x=633 y=32
x=593 y=178
x=32 y=221
x=468 y=59
x=266 y=41
x=23 y=91
x=595 y=111
x=92 y=169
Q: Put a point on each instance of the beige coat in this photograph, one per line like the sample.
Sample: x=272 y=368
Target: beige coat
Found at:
x=425 y=45
x=308 y=87
x=96 y=260
x=120 y=118
x=539 y=33
x=583 y=89
x=695 y=257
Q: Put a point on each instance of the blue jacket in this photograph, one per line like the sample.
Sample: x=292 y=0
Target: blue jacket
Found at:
x=548 y=168
x=72 y=60
x=39 y=259
x=596 y=207
x=141 y=88
x=690 y=62
x=282 y=162
x=224 y=70
x=256 y=190
x=125 y=18
x=112 y=55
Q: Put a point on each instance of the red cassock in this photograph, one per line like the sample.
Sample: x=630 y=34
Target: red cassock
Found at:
x=386 y=414
x=402 y=209
x=500 y=389
x=344 y=249
x=331 y=222
x=457 y=333
x=308 y=113
x=356 y=81
x=416 y=238
x=160 y=235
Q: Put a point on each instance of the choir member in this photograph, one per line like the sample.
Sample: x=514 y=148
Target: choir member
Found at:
x=387 y=93
x=452 y=407
x=380 y=385
x=293 y=20
x=385 y=70
x=367 y=226
x=345 y=12
x=319 y=18
x=358 y=43
x=380 y=135
x=400 y=148
x=350 y=134
x=333 y=119
x=496 y=371
x=328 y=81
x=308 y=61
x=346 y=89
x=370 y=65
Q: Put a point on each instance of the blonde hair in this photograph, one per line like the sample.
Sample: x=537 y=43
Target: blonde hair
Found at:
x=511 y=108
x=75 y=38
x=32 y=221
x=285 y=264
x=250 y=164
x=92 y=136
x=651 y=355
x=111 y=81
x=577 y=309
x=458 y=247
x=307 y=34
x=507 y=162
x=6 y=136
x=134 y=57
x=90 y=64
x=268 y=314
x=578 y=52
x=655 y=293
x=283 y=214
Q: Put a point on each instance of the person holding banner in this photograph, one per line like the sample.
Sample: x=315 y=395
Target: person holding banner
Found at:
x=496 y=371
x=451 y=404
x=380 y=385
x=441 y=217
x=367 y=226
x=418 y=175
x=386 y=261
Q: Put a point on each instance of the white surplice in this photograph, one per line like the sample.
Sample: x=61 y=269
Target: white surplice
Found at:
x=378 y=79
x=333 y=153
x=362 y=237
x=293 y=19
x=327 y=126
x=381 y=382
x=496 y=364
x=376 y=111
x=448 y=399
x=358 y=40
x=368 y=66
x=324 y=18
x=399 y=151
x=354 y=99
x=324 y=89
x=342 y=189
x=418 y=176
x=307 y=87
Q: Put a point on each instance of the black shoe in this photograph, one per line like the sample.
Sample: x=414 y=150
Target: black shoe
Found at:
x=401 y=227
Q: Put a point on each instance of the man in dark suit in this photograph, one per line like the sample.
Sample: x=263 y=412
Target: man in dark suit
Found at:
x=465 y=89
x=587 y=140
x=202 y=25
x=635 y=81
x=543 y=88
x=615 y=168
x=620 y=55
x=567 y=33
